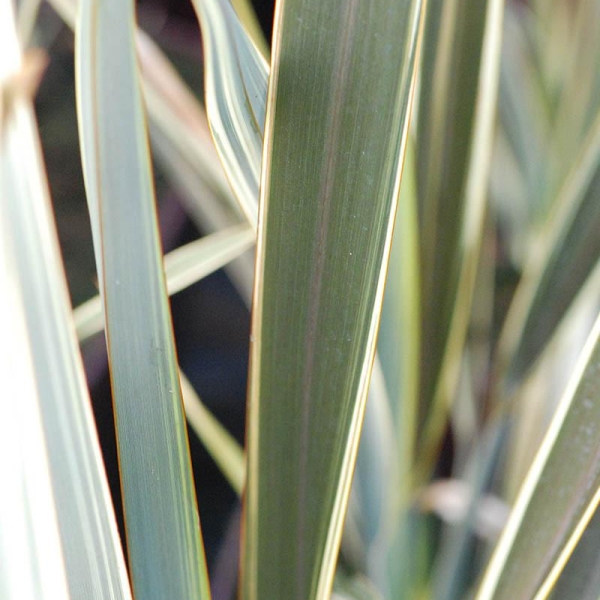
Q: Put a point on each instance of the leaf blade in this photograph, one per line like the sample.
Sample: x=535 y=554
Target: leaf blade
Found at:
x=163 y=534
x=183 y=267
x=558 y=496
x=315 y=110
x=235 y=83
x=91 y=549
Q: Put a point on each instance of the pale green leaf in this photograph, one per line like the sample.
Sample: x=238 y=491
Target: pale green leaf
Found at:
x=204 y=207
x=245 y=12
x=180 y=133
x=166 y=556
x=376 y=481
x=183 y=267
x=235 y=85
x=31 y=555
x=26 y=18
x=93 y=558
x=572 y=54
x=221 y=445
x=355 y=587
x=331 y=174
x=398 y=349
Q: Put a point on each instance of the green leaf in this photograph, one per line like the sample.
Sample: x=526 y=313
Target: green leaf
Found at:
x=565 y=254
x=183 y=267
x=572 y=56
x=522 y=108
x=91 y=549
x=180 y=133
x=203 y=206
x=331 y=174
x=245 y=12
x=398 y=348
x=559 y=495
x=235 y=83
x=166 y=556
x=581 y=577
x=221 y=445
x=354 y=587
x=399 y=336
x=376 y=480
x=456 y=116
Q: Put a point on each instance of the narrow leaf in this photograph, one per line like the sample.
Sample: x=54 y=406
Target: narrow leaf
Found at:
x=235 y=85
x=93 y=558
x=166 y=556
x=565 y=254
x=559 y=495
x=249 y=20
x=330 y=181
x=221 y=445
x=398 y=349
x=31 y=555
x=183 y=267
x=456 y=118
x=180 y=132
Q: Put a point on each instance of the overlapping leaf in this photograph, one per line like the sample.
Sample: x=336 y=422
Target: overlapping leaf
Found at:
x=235 y=83
x=559 y=495
x=184 y=266
x=456 y=116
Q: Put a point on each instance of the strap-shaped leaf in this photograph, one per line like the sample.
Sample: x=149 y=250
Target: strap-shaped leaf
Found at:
x=398 y=348
x=33 y=566
x=166 y=556
x=340 y=90
x=183 y=267
x=461 y=62
x=221 y=445
x=180 y=132
x=566 y=252
x=249 y=20
x=91 y=549
x=559 y=495
x=235 y=86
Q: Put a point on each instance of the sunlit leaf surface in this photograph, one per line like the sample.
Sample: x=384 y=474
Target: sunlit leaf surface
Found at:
x=91 y=549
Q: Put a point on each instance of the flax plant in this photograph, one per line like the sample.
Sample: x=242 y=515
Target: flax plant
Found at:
x=404 y=194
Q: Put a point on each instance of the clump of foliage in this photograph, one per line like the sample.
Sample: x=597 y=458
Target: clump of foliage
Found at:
x=419 y=180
